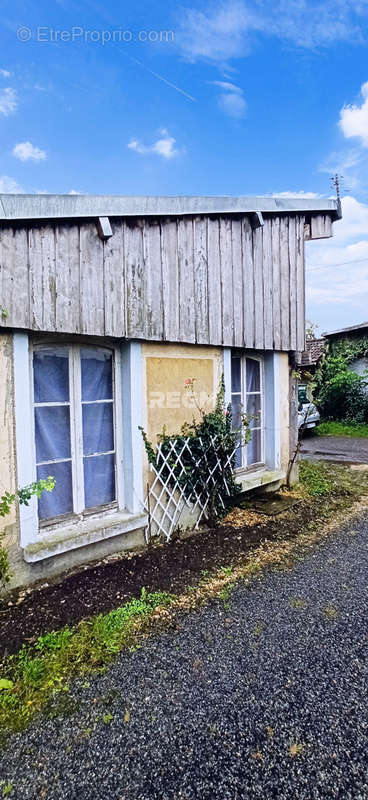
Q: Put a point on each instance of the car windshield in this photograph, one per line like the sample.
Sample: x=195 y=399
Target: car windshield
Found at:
x=302 y=394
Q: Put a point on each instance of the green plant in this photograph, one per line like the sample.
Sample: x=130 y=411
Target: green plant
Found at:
x=340 y=393
x=23 y=496
x=212 y=434
x=38 y=676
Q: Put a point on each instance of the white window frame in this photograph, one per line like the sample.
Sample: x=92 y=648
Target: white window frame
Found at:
x=75 y=404
x=243 y=394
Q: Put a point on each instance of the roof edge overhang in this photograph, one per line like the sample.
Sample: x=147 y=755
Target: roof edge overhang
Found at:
x=63 y=206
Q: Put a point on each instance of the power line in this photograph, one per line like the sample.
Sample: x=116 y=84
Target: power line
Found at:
x=340 y=264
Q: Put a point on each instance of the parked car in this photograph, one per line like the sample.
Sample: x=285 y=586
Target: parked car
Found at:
x=308 y=414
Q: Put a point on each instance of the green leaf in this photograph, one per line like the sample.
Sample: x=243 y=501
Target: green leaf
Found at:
x=5 y=684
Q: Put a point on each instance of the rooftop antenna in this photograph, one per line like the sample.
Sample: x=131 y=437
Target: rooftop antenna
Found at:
x=336 y=184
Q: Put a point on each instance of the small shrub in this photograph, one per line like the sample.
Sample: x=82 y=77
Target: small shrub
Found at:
x=6 y=501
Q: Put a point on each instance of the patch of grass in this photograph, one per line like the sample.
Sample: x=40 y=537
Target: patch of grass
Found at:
x=342 y=429
x=322 y=479
x=40 y=674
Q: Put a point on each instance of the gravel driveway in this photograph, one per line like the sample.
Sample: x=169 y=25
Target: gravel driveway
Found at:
x=264 y=699
x=347 y=449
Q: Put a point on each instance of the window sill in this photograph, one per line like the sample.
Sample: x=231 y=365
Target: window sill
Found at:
x=248 y=480
x=82 y=534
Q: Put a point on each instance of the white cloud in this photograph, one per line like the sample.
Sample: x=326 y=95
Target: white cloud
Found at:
x=337 y=270
x=26 y=151
x=220 y=32
x=354 y=119
x=4 y=73
x=231 y=100
x=8 y=101
x=300 y=193
x=233 y=105
x=164 y=146
x=9 y=185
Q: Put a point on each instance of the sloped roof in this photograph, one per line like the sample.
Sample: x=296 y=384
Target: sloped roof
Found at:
x=54 y=206
x=350 y=329
x=312 y=353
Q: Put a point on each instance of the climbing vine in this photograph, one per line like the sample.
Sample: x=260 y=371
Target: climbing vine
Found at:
x=215 y=426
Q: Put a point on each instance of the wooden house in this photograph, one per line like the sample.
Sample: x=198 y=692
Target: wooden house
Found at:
x=107 y=306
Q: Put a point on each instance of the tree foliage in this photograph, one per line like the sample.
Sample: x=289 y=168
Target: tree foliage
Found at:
x=340 y=393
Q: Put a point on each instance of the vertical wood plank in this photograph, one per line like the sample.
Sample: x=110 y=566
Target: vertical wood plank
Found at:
x=214 y=282
x=285 y=283
x=276 y=284
x=47 y=234
x=321 y=226
x=35 y=278
x=134 y=277
x=200 y=279
x=300 y=285
x=67 y=268
x=91 y=280
x=186 y=281
x=267 y=284
x=237 y=259
x=170 y=279
x=114 y=282
x=226 y=282
x=258 y=288
x=153 y=311
x=292 y=281
x=248 y=283
x=14 y=277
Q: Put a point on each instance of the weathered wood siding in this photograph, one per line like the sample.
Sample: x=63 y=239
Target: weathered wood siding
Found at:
x=195 y=279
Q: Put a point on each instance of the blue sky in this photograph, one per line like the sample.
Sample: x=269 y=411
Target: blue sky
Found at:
x=233 y=98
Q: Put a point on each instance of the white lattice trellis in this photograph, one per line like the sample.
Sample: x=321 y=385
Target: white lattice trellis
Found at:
x=167 y=498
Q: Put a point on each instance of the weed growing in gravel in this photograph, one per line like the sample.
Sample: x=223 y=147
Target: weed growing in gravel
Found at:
x=331 y=612
x=297 y=602
x=296 y=749
x=39 y=675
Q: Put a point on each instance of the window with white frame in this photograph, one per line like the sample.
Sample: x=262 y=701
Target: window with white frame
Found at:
x=74 y=427
x=247 y=397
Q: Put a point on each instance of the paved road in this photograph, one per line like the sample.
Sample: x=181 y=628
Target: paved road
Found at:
x=266 y=699
x=335 y=448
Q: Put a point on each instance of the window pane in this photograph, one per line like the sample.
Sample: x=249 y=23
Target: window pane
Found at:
x=52 y=429
x=51 y=375
x=96 y=368
x=254 y=410
x=237 y=410
x=253 y=369
x=254 y=448
x=99 y=480
x=98 y=428
x=236 y=375
x=60 y=500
